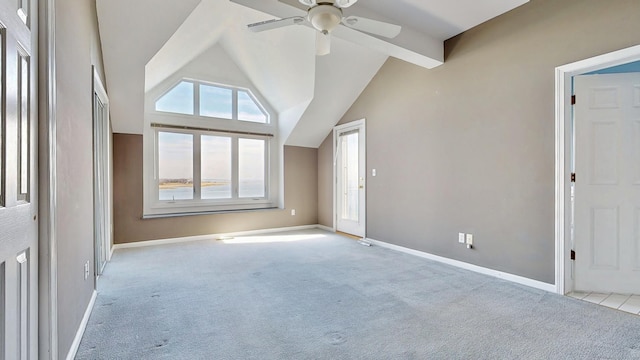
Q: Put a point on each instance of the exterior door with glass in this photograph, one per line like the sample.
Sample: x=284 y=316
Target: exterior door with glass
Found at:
x=350 y=175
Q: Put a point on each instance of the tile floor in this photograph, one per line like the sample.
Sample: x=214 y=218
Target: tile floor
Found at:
x=628 y=303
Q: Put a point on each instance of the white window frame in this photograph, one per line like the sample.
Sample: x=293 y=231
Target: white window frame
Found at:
x=235 y=200
x=196 y=100
x=158 y=121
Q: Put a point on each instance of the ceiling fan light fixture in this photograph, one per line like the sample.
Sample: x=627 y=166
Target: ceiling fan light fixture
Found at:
x=325 y=17
x=309 y=3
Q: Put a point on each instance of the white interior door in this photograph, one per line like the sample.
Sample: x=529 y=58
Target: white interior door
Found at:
x=350 y=172
x=18 y=179
x=607 y=187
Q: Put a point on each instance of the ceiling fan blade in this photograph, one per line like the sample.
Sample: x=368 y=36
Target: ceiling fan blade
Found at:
x=372 y=26
x=275 y=23
x=323 y=43
x=343 y=3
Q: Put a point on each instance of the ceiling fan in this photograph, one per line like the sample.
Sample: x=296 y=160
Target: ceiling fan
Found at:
x=326 y=15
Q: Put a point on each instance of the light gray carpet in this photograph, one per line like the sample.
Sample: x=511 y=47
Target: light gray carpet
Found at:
x=330 y=298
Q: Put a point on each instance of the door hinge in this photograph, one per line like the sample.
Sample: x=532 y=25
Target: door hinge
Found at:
x=573 y=255
x=573 y=177
x=573 y=99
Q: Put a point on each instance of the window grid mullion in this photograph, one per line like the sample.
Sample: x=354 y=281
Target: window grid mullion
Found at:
x=197 y=171
x=196 y=98
x=234 y=104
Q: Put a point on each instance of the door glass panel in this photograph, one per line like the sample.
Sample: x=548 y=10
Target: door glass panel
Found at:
x=216 y=102
x=349 y=190
x=215 y=160
x=175 y=166
x=23 y=130
x=251 y=171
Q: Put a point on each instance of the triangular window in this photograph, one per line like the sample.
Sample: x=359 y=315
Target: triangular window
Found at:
x=248 y=110
x=177 y=100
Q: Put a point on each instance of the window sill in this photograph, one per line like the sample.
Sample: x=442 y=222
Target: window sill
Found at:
x=208 y=212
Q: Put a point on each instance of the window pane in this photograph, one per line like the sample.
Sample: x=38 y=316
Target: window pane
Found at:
x=175 y=166
x=177 y=100
x=216 y=167
x=248 y=110
x=251 y=171
x=216 y=102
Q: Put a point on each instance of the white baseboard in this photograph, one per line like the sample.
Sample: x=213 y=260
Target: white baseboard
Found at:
x=83 y=325
x=325 y=228
x=210 y=237
x=479 y=269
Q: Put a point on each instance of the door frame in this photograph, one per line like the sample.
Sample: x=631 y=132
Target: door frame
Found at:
x=564 y=85
x=47 y=187
x=357 y=123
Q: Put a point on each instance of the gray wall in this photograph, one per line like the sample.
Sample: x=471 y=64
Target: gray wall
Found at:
x=469 y=146
x=77 y=49
x=325 y=182
x=300 y=180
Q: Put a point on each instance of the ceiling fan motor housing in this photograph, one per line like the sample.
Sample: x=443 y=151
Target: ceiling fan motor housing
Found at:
x=325 y=17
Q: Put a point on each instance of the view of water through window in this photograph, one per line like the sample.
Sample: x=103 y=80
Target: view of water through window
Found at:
x=176 y=168
x=230 y=167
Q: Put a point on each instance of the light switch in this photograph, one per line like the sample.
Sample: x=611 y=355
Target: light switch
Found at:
x=373 y=172
x=461 y=238
x=469 y=239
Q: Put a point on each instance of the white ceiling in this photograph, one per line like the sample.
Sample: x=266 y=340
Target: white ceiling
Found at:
x=146 y=41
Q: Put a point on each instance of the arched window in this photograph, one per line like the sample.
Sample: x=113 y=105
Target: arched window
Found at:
x=213 y=149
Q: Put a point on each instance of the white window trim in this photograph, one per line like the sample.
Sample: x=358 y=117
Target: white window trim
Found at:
x=153 y=207
x=197 y=171
x=196 y=100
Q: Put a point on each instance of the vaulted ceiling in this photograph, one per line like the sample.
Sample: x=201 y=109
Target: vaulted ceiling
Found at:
x=145 y=42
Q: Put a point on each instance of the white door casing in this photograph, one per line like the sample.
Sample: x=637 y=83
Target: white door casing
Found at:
x=607 y=188
x=18 y=184
x=349 y=146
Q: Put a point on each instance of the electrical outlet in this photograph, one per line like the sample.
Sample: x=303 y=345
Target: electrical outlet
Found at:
x=461 y=238
x=293 y=212
x=469 y=239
